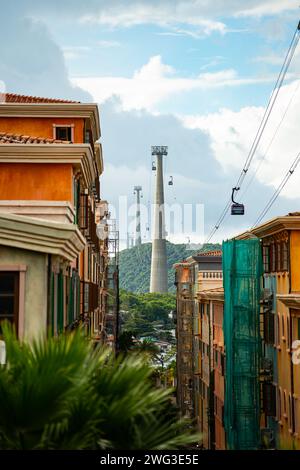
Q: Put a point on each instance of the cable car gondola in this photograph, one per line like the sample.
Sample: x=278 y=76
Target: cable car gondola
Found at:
x=170 y=183
x=236 y=208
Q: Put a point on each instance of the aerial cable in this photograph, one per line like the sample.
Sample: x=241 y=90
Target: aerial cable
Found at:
x=287 y=61
x=278 y=190
x=272 y=139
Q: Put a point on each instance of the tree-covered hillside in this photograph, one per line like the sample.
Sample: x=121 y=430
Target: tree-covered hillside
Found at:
x=147 y=314
x=135 y=265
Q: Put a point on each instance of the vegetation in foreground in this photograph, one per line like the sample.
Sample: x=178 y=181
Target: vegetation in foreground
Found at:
x=61 y=393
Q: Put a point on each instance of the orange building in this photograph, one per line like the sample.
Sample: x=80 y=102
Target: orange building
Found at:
x=198 y=275
x=212 y=302
x=53 y=266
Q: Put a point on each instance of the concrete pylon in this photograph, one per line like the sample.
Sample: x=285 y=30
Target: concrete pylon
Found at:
x=138 y=237
x=159 y=271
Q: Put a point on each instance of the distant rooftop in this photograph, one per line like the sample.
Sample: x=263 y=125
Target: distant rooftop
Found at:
x=26 y=139
x=15 y=98
x=210 y=253
x=293 y=214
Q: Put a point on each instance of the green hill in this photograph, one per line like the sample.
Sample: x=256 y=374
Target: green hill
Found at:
x=135 y=264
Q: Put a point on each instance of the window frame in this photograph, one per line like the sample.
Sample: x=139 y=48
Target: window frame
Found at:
x=20 y=271
x=266 y=258
x=57 y=126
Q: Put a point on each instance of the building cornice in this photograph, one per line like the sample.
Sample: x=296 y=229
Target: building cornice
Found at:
x=61 y=239
x=211 y=295
x=99 y=157
x=271 y=227
x=79 y=155
x=290 y=300
x=53 y=211
x=55 y=110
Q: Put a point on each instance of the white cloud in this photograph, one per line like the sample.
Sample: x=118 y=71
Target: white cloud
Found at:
x=268 y=8
x=155 y=82
x=108 y=44
x=271 y=59
x=164 y=13
x=74 y=52
x=197 y=13
x=232 y=134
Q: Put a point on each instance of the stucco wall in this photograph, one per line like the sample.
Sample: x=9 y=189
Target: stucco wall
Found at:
x=295 y=260
x=36 y=181
x=35 y=314
x=41 y=127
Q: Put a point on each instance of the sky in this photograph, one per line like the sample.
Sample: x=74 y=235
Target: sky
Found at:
x=194 y=75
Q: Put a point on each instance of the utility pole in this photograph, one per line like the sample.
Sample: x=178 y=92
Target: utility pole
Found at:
x=159 y=272
x=138 y=238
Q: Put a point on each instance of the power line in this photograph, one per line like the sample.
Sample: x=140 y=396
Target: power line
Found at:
x=282 y=74
x=272 y=139
x=278 y=190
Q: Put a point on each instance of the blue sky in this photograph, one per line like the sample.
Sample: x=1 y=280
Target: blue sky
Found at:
x=194 y=75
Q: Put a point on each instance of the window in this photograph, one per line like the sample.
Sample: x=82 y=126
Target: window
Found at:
x=202 y=309
x=216 y=358
x=290 y=412
x=279 y=404
x=277 y=330
x=273 y=257
x=266 y=258
x=282 y=321
x=278 y=255
x=9 y=297
x=223 y=364
x=269 y=399
x=83 y=212
x=285 y=259
x=63 y=133
x=288 y=333
x=284 y=404
x=296 y=405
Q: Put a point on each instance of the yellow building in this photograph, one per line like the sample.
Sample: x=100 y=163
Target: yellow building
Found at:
x=280 y=239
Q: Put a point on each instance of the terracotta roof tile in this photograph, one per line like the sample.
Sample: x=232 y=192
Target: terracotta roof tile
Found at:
x=26 y=139
x=15 y=98
x=211 y=253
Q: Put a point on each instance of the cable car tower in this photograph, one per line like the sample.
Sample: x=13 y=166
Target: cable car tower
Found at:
x=159 y=271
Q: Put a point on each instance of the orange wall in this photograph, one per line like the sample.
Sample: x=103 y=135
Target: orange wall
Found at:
x=295 y=260
x=36 y=181
x=40 y=127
